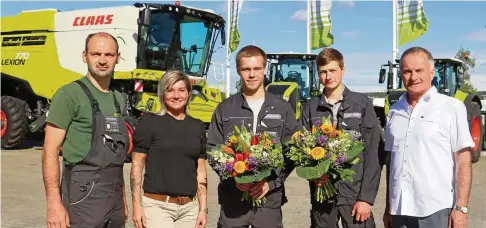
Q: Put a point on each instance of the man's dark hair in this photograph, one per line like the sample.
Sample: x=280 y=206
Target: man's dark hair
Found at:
x=328 y=55
x=250 y=51
x=100 y=34
x=417 y=50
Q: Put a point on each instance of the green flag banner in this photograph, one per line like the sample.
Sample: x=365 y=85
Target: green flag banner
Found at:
x=234 y=33
x=411 y=20
x=320 y=24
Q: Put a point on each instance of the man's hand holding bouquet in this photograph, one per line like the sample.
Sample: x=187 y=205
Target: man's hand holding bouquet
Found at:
x=324 y=154
x=247 y=158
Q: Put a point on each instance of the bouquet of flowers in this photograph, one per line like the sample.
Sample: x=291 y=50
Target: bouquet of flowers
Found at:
x=247 y=158
x=325 y=153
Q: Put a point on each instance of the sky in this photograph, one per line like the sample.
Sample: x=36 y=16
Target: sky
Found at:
x=280 y=26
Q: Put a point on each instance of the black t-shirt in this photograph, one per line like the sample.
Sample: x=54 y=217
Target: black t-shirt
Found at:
x=173 y=148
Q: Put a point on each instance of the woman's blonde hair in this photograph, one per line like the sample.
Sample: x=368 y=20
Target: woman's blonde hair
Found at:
x=166 y=82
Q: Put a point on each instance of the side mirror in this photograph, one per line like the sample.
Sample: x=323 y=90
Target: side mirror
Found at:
x=382 y=76
x=223 y=36
x=460 y=74
x=146 y=16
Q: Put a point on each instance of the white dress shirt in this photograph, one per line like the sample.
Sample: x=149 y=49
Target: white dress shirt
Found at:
x=422 y=143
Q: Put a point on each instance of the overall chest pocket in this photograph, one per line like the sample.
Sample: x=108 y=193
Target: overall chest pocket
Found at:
x=272 y=126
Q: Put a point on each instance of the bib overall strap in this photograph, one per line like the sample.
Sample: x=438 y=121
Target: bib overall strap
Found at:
x=94 y=107
x=94 y=102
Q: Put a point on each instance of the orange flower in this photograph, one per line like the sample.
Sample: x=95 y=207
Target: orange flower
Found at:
x=333 y=132
x=227 y=150
x=240 y=167
x=318 y=153
x=326 y=129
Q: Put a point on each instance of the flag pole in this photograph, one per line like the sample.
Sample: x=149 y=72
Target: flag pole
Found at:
x=308 y=26
x=228 y=52
x=395 y=46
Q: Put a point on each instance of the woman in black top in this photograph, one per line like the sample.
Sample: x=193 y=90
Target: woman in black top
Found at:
x=172 y=145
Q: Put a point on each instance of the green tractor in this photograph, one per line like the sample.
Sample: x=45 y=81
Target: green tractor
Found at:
x=293 y=77
x=449 y=74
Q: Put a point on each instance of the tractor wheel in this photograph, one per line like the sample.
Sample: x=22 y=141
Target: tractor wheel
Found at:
x=14 y=122
x=476 y=127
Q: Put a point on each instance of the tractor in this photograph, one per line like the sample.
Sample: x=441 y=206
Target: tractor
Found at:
x=449 y=74
x=293 y=77
x=41 y=51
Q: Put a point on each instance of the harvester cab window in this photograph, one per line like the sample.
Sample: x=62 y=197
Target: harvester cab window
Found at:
x=195 y=38
x=293 y=70
x=176 y=40
x=436 y=81
x=160 y=35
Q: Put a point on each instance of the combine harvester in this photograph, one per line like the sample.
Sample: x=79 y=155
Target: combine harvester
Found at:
x=448 y=79
x=293 y=77
x=41 y=51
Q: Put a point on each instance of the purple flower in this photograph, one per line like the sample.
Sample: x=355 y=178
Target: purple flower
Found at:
x=229 y=166
x=317 y=122
x=252 y=162
x=275 y=140
x=321 y=140
x=219 y=168
x=341 y=157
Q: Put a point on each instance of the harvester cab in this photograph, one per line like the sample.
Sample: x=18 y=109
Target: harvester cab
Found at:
x=41 y=51
x=293 y=77
x=449 y=76
x=178 y=37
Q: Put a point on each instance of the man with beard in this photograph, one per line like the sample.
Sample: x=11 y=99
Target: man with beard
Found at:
x=259 y=111
x=351 y=112
x=85 y=118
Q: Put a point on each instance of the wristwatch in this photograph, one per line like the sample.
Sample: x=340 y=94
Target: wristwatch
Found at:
x=204 y=210
x=461 y=209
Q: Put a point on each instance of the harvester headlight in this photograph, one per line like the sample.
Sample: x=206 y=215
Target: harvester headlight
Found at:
x=286 y=98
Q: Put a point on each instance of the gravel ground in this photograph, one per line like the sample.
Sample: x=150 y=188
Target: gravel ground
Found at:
x=23 y=197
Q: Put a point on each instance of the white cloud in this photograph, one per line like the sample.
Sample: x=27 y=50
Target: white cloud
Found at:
x=347 y=3
x=349 y=34
x=477 y=36
x=299 y=15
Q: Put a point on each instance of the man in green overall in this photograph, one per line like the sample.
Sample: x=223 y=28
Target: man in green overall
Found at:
x=85 y=118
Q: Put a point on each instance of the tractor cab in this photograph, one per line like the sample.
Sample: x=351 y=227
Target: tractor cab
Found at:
x=448 y=75
x=447 y=80
x=293 y=77
x=179 y=37
x=293 y=68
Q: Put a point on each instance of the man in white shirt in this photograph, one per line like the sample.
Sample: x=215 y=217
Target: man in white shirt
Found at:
x=429 y=143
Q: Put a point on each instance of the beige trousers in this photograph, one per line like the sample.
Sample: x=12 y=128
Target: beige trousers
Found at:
x=170 y=215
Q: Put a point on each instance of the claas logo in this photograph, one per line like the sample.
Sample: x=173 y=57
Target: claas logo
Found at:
x=93 y=20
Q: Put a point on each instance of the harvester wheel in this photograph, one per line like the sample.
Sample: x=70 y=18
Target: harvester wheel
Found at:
x=14 y=122
x=476 y=127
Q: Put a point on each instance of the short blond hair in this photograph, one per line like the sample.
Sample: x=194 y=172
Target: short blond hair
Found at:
x=166 y=82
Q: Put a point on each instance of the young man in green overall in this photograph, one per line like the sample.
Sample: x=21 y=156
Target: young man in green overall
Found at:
x=85 y=118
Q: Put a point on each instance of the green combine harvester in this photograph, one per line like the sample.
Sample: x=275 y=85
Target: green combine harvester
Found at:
x=41 y=51
x=293 y=77
x=449 y=74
